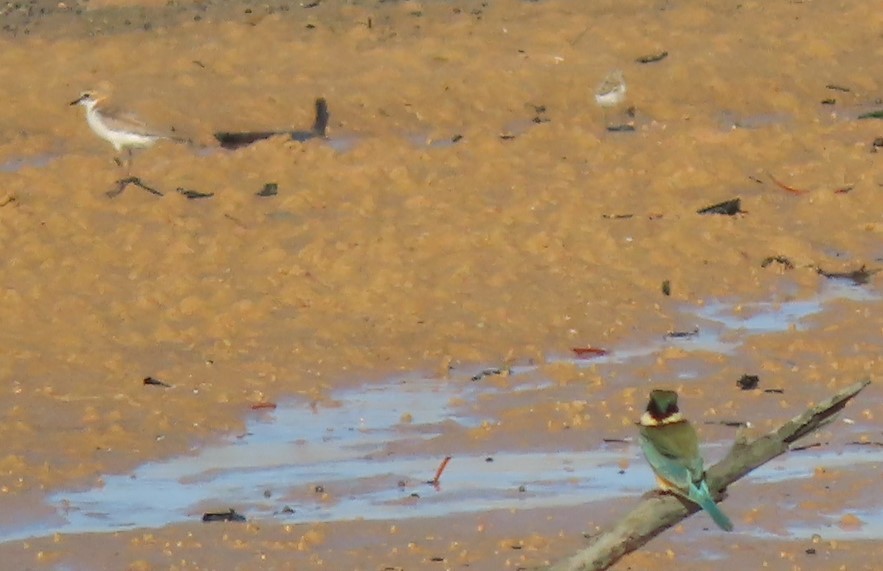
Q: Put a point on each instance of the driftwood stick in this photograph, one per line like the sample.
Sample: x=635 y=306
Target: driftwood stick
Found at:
x=657 y=512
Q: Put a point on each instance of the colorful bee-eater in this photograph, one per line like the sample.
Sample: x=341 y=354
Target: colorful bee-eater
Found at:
x=671 y=446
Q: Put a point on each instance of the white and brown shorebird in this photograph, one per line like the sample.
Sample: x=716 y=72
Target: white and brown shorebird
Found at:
x=611 y=91
x=122 y=129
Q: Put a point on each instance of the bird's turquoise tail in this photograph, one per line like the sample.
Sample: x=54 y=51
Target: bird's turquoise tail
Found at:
x=702 y=496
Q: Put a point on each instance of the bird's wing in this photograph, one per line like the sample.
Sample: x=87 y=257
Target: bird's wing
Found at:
x=675 y=458
x=665 y=465
x=118 y=119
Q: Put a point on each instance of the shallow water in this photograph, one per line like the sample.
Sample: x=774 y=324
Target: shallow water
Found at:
x=340 y=460
x=289 y=452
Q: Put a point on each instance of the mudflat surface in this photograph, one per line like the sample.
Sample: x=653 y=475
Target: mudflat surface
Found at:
x=469 y=209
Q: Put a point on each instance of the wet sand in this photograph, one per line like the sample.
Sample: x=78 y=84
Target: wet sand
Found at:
x=514 y=244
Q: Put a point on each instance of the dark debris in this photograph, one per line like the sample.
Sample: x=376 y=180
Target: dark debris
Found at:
x=806 y=447
x=652 y=58
x=728 y=207
x=232 y=140
x=860 y=276
x=748 y=382
x=729 y=423
x=190 y=194
x=785 y=262
x=681 y=334
x=133 y=180
x=154 y=382
x=230 y=515
x=490 y=372
x=872 y=115
x=270 y=189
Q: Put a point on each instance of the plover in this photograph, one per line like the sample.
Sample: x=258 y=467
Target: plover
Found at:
x=122 y=129
x=611 y=91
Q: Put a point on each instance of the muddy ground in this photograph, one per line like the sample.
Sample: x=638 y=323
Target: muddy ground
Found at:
x=470 y=209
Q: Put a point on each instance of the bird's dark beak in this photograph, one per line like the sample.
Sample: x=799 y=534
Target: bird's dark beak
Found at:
x=77 y=100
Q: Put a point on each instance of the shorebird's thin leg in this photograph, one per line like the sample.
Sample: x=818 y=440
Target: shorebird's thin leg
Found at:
x=122 y=183
x=129 y=161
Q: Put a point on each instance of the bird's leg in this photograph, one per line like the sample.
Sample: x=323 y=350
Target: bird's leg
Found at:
x=128 y=162
x=129 y=179
x=122 y=183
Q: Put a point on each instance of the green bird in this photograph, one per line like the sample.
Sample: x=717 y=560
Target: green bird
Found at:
x=671 y=446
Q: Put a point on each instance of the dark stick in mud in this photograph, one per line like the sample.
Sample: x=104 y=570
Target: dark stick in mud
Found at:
x=134 y=180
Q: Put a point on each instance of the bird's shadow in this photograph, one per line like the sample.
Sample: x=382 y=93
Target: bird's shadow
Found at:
x=133 y=180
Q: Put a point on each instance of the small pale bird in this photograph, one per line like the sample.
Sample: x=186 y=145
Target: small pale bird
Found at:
x=121 y=129
x=611 y=91
x=671 y=447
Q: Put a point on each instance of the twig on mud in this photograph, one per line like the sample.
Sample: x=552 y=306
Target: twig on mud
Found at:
x=658 y=512
x=785 y=187
x=124 y=182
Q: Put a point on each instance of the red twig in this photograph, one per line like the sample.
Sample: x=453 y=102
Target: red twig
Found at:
x=263 y=406
x=783 y=186
x=589 y=352
x=441 y=468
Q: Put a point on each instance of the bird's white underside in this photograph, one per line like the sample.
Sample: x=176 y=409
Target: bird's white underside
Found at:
x=120 y=130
